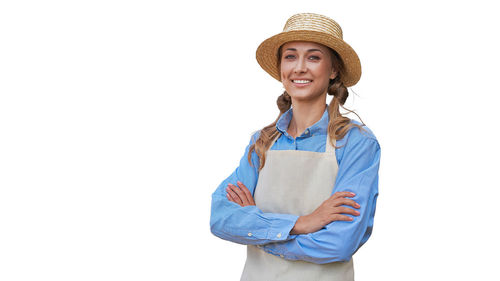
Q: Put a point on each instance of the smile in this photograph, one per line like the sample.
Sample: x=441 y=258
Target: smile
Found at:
x=301 y=81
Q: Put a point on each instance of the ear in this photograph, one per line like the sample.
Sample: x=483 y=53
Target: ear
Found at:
x=334 y=74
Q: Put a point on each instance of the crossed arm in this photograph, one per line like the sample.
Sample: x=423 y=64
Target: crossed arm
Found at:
x=330 y=210
x=333 y=232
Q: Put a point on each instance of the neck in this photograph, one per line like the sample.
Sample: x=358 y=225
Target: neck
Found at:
x=305 y=115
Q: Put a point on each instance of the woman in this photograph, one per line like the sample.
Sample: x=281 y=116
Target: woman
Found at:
x=303 y=197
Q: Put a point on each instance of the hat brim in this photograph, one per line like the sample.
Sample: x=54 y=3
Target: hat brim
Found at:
x=267 y=53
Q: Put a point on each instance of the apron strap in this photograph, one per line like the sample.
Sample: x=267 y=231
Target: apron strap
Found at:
x=329 y=147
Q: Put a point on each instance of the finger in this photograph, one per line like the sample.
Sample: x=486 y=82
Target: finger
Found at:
x=230 y=198
x=340 y=194
x=346 y=210
x=246 y=192
x=338 y=217
x=240 y=193
x=345 y=201
x=234 y=196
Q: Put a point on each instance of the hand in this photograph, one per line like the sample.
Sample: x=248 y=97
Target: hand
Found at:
x=239 y=194
x=330 y=210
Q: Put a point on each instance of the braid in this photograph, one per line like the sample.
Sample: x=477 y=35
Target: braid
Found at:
x=284 y=102
x=339 y=125
x=338 y=90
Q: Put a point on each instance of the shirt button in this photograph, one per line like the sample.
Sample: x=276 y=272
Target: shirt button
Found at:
x=249 y=233
x=279 y=235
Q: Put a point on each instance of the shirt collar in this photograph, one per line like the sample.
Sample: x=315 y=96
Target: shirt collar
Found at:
x=320 y=127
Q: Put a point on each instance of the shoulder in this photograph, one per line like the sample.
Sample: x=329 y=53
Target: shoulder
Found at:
x=358 y=144
x=357 y=135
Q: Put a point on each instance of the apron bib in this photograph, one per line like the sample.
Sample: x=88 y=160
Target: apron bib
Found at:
x=294 y=182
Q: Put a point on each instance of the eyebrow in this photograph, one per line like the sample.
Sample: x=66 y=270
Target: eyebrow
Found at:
x=310 y=50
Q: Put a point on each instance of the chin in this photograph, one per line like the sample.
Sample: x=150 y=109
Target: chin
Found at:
x=304 y=96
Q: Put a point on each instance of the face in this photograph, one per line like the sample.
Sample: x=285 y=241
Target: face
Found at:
x=306 y=69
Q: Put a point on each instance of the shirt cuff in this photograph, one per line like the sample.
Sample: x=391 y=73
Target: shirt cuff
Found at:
x=278 y=250
x=281 y=225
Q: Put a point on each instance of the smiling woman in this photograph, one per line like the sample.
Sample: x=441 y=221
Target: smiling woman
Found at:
x=303 y=197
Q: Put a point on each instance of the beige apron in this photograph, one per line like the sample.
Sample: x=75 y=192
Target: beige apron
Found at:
x=294 y=182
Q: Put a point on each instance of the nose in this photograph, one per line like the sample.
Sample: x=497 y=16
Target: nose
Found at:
x=300 y=66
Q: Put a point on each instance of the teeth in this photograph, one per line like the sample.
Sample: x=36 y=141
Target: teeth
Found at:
x=301 y=81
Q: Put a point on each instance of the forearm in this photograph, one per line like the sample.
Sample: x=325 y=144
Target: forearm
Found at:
x=248 y=225
x=336 y=242
x=305 y=247
x=299 y=227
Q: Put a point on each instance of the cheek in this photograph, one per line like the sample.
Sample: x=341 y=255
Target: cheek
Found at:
x=324 y=71
x=284 y=69
x=284 y=76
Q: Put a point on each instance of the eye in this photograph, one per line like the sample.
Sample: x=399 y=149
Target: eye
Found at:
x=289 y=57
x=314 y=58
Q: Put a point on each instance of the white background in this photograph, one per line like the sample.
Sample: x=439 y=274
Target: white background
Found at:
x=118 y=119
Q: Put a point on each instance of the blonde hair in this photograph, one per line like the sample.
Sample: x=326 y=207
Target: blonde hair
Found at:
x=338 y=125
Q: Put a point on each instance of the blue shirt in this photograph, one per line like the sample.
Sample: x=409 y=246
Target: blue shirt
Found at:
x=358 y=160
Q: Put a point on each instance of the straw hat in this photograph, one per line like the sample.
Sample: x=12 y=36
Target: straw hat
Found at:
x=312 y=28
